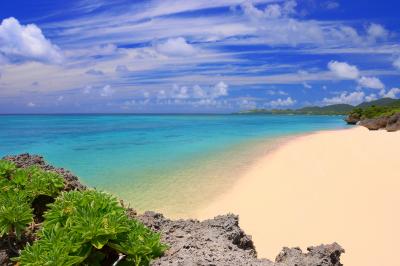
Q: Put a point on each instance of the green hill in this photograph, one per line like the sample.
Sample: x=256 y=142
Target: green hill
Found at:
x=380 y=102
x=372 y=108
x=335 y=109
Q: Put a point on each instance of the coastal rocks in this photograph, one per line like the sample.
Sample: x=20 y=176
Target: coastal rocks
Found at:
x=71 y=181
x=375 y=123
x=390 y=123
x=323 y=255
x=220 y=241
x=393 y=123
x=352 y=119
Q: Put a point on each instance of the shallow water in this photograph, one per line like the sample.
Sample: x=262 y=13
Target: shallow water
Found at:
x=168 y=163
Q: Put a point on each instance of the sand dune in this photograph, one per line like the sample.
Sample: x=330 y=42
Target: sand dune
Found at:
x=341 y=186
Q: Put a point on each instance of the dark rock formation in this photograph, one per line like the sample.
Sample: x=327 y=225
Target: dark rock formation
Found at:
x=393 y=123
x=71 y=181
x=352 y=119
x=218 y=241
x=375 y=123
x=390 y=123
x=322 y=255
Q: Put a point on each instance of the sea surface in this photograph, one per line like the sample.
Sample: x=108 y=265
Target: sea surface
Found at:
x=168 y=163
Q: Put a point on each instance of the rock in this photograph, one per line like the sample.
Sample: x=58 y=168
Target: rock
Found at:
x=393 y=123
x=323 y=255
x=375 y=123
x=71 y=181
x=220 y=241
x=352 y=119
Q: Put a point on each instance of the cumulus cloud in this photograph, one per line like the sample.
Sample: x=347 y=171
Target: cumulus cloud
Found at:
x=371 y=83
x=352 y=98
x=272 y=11
x=392 y=93
x=281 y=102
x=196 y=92
x=31 y=104
x=107 y=91
x=175 y=47
x=343 y=70
x=26 y=43
x=376 y=32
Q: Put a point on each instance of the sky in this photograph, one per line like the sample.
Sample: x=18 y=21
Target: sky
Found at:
x=195 y=56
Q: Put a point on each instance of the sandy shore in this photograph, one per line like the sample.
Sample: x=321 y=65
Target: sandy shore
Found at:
x=341 y=186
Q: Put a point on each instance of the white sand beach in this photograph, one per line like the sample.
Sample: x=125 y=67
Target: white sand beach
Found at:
x=332 y=186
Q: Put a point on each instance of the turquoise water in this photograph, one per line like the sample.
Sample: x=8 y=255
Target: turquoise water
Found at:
x=153 y=161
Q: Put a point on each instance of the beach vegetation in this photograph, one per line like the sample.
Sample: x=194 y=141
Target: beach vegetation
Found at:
x=87 y=227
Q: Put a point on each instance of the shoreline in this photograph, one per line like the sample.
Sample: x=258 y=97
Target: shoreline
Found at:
x=322 y=187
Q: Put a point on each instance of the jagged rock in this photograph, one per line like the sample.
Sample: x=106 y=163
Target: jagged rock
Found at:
x=220 y=241
x=393 y=123
x=375 y=123
x=323 y=255
x=71 y=181
x=352 y=119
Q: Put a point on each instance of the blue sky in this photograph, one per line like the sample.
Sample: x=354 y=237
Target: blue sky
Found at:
x=195 y=55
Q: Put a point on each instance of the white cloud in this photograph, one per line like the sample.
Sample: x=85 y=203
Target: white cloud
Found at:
x=281 y=102
x=220 y=89
x=272 y=11
x=107 y=91
x=352 y=98
x=371 y=83
x=175 y=47
x=343 y=70
x=371 y=97
x=396 y=63
x=377 y=31
x=392 y=93
x=196 y=92
x=31 y=104
x=20 y=42
x=276 y=92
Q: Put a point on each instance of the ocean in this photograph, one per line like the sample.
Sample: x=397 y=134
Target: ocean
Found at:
x=169 y=163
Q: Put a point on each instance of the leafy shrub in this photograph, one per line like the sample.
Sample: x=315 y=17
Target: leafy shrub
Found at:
x=86 y=222
x=140 y=244
x=15 y=213
x=6 y=168
x=374 y=111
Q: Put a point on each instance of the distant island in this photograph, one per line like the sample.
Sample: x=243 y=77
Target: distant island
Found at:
x=387 y=104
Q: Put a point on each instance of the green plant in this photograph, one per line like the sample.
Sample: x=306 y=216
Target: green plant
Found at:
x=139 y=243
x=55 y=247
x=43 y=183
x=6 y=168
x=93 y=220
x=15 y=213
